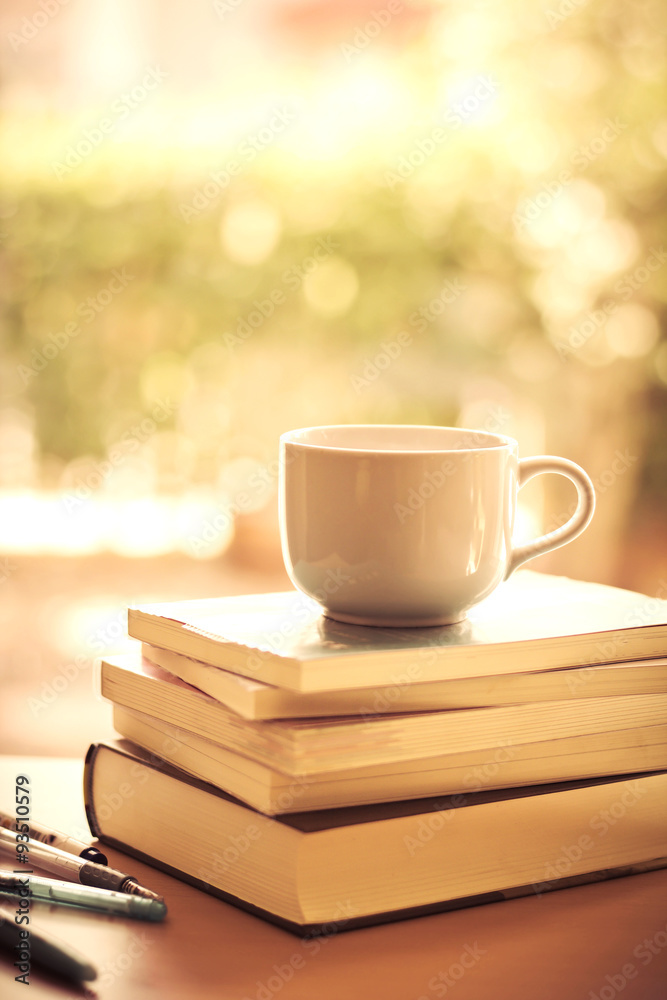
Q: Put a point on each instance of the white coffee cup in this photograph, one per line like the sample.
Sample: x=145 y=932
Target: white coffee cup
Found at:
x=400 y=525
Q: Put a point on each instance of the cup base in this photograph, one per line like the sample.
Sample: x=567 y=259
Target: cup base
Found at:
x=394 y=621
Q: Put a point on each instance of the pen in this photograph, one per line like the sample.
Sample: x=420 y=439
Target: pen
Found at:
x=44 y=949
x=71 y=868
x=54 y=838
x=36 y=887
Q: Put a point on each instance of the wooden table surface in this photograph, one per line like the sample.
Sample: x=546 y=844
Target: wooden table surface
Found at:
x=595 y=942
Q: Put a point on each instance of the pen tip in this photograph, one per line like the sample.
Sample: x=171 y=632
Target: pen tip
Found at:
x=139 y=890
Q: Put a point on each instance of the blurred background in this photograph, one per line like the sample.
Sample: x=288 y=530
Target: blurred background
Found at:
x=224 y=219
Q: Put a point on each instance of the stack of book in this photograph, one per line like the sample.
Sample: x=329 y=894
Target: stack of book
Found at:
x=326 y=775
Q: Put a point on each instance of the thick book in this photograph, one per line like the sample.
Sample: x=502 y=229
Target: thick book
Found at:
x=313 y=746
x=270 y=791
x=532 y=622
x=254 y=700
x=348 y=867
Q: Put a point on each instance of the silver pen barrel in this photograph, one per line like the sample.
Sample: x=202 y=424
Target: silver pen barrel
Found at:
x=105 y=900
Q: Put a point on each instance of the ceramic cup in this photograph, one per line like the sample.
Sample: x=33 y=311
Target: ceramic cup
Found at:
x=399 y=525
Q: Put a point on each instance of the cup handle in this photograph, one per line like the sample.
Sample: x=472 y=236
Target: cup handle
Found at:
x=530 y=467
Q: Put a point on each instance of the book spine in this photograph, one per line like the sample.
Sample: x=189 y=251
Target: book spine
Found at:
x=89 y=805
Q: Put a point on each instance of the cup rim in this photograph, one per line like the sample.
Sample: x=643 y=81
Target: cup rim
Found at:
x=489 y=440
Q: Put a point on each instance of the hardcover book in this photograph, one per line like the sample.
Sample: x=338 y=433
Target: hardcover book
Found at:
x=347 y=867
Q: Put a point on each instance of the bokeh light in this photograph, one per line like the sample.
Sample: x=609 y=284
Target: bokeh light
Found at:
x=215 y=220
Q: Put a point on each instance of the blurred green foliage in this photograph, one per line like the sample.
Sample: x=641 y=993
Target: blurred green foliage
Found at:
x=181 y=292
x=509 y=260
